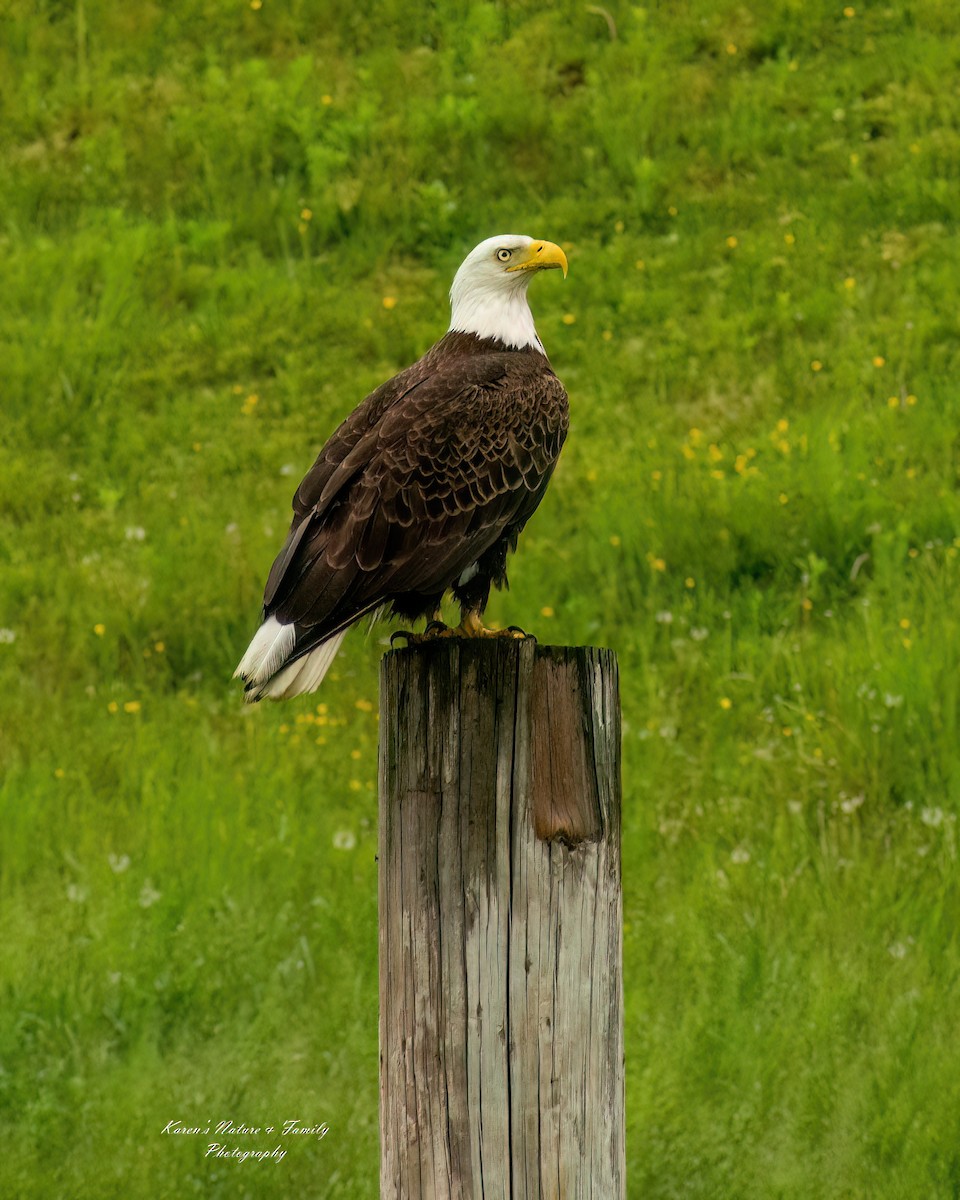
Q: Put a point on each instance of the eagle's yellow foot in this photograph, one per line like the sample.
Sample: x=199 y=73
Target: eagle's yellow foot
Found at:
x=472 y=627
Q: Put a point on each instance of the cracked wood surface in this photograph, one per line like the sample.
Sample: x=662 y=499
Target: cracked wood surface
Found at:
x=501 y=1009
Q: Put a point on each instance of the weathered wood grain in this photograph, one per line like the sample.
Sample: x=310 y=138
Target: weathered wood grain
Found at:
x=501 y=1011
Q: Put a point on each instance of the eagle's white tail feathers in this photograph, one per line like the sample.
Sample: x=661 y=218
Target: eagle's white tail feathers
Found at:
x=272 y=644
x=262 y=666
x=304 y=675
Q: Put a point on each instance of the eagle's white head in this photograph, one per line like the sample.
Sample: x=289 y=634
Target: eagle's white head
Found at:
x=489 y=292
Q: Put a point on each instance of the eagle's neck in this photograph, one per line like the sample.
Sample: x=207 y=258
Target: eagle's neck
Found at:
x=498 y=314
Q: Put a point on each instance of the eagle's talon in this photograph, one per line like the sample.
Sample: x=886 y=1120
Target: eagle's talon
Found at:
x=435 y=629
x=520 y=634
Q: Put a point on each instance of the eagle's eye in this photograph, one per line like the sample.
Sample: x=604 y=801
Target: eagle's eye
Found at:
x=504 y=255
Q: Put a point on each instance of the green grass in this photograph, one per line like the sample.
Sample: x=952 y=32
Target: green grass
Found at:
x=757 y=508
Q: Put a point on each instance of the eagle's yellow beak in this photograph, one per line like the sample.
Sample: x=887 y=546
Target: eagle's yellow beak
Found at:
x=540 y=256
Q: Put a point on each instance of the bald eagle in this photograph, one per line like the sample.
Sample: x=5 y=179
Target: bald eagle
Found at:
x=426 y=486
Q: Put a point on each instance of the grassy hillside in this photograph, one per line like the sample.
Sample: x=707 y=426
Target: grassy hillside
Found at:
x=220 y=226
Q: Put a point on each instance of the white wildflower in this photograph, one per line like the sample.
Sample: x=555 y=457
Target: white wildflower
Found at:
x=344 y=839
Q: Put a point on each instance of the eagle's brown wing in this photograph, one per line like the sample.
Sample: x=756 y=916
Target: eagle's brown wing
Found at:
x=425 y=476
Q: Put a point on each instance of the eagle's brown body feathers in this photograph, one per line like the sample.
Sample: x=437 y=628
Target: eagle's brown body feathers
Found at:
x=437 y=470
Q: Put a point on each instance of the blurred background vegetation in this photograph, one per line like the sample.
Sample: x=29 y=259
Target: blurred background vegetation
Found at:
x=221 y=224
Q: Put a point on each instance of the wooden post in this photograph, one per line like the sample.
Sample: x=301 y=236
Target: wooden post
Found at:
x=501 y=946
